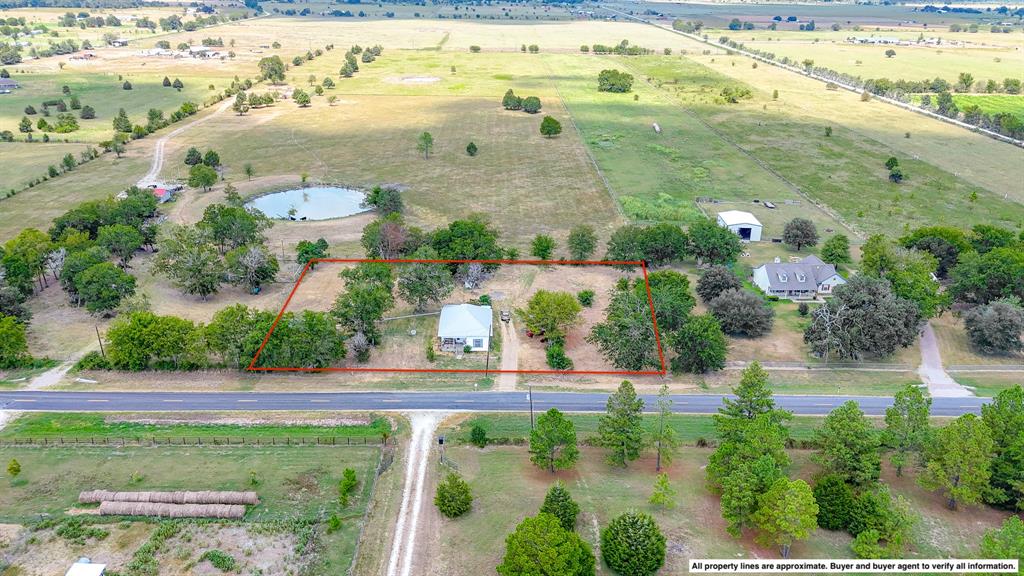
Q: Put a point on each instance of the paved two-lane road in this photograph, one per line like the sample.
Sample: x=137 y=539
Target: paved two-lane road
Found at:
x=415 y=401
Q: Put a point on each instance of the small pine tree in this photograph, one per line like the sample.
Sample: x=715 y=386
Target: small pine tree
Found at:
x=453 y=497
x=347 y=486
x=664 y=494
x=471 y=149
x=559 y=503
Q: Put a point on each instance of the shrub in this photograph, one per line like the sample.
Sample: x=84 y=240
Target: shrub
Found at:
x=559 y=503
x=803 y=309
x=471 y=149
x=742 y=313
x=126 y=86
x=531 y=104
x=614 y=81
x=586 y=297
x=478 y=436
x=92 y=361
x=431 y=355
x=716 y=280
x=220 y=560
x=453 y=497
x=835 y=502
x=633 y=544
x=995 y=328
x=333 y=523
x=557 y=359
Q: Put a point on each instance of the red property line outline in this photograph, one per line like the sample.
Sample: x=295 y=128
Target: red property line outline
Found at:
x=647 y=285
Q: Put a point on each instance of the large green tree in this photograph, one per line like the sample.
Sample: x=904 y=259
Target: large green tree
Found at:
x=620 y=429
x=699 y=345
x=713 y=244
x=540 y=546
x=849 y=445
x=787 y=514
x=959 y=461
x=1004 y=417
x=421 y=283
x=553 y=442
x=13 y=345
x=550 y=314
x=191 y=261
x=251 y=266
x=368 y=295
x=103 y=286
x=121 y=240
x=626 y=337
x=582 y=242
x=906 y=425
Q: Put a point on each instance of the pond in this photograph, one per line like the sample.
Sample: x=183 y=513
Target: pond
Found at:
x=314 y=203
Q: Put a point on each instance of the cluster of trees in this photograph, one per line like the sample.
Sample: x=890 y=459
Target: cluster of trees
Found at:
x=77 y=252
x=901 y=283
x=226 y=245
x=141 y=340
x=623 y=48
x=614 y=81
x=530 y=104
x=660 y=244
x=980 y=268
x=631 y=543
x=747 y=467
x=65 y=122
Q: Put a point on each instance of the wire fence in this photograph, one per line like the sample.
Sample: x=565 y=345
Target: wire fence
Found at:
x=148 y=441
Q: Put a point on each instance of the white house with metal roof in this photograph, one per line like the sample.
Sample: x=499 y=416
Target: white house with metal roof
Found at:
x=743 y=224
x=464 y=325
x=808 y=278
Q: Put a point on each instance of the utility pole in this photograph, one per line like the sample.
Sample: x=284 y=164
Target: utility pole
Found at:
x=531 y=406
x=100 y=340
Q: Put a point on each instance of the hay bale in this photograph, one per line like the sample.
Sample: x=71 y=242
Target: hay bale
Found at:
x=177 y=497
x=164 y=510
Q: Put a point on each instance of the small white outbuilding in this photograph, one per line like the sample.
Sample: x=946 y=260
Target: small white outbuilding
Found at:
x=743 y=224
x=464 y=325
x=85 y=567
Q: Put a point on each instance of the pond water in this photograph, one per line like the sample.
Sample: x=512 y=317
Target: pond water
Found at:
x=314 y=203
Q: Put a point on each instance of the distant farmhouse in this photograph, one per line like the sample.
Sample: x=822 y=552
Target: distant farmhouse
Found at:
x=743 y=224
x=806 y=279
x=464 y=325
x=7 y=85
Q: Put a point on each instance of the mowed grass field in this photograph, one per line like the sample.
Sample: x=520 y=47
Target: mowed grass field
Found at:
x=846 y=171
x=24 y=162
x=524 y=183
x=993 y=103
x=503 y=479
x=995 y=56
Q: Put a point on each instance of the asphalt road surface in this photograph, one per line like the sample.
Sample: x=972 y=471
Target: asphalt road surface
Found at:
x=415 y=401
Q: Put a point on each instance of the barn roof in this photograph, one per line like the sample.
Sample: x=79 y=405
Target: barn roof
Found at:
x=736 y=217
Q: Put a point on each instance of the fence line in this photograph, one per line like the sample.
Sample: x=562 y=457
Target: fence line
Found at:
x=144 y=441
x=985 y=368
